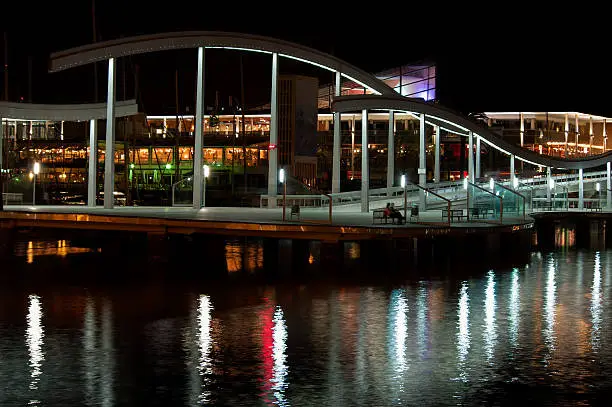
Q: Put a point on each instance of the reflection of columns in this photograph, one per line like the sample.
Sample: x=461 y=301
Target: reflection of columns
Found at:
x=107 y=368
x=609 y=186
x=391 y=153
x=422 y=163
x=548 y=179
x=92 y=176
x=580 y=190
x=198 y=173
x=336 y=152
x=512 y=170
x=437 y=155
x=365 y=170
x=109 y=154
x=470 y=156
x=273 y=152
x=477 y=169
x=566 y=133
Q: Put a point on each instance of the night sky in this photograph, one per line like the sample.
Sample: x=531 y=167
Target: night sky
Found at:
x=489 y=59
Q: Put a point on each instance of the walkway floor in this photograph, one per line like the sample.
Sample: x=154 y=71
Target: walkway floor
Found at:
x=263 y=216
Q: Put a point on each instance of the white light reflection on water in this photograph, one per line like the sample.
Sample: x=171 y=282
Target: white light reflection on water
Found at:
x=514 y=307
x=279 y=354
x=107 y=367
x=490 y=335
x=596 y=303
x=463 y=336
x=205 y=343
x=89 y=345
x=421 y=304
x=399 y=333
x=34 y=339
x=549 y=306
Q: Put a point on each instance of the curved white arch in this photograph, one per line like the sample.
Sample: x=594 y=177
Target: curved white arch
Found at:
x=101 y=51
x=456 y=123
x=69 y=113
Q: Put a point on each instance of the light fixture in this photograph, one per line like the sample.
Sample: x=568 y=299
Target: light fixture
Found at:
x=465 y=183
x=36 y=168
x=598 y=186
x=403 y=181
x=281 y=175
x=515 y=182
x=551 y=183
x=491 y=184
x=206 y=171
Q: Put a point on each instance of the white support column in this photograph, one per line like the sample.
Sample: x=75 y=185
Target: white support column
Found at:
x=365 y=169
x=548 y=180
x=273 y=153
x=92 y=179
x=577 y=135
x=609 y=187
x=2 y=145
x=422 y=162
x=522 y=118
x=62 y=130
x=353 y=147
x=477 y=169
x=437 y=155
x=198 y=169
x=605 y=137
x=109 y=153
x=580 y=190
x=512 y=170
x=590 y=135
x=337 y=149
x=471 y=156
x=391 y=153
x=566 y=133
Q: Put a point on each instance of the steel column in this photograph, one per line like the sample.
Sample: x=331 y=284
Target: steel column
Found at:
x=609 y=187
x=471 y=156
x=365 y=170
x=422 y=161
x=477 y=169
x=548 y=179
x=109 y=153
x=337 y=148
x=273 y=151
x=198 y=170
x=391 y=153
x=92 y=178
x=437 y=155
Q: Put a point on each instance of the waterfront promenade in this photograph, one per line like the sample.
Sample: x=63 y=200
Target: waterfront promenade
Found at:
x=313 y=223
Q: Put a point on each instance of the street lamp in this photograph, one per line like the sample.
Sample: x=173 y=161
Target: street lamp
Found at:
x=403 y=185
x=35 y=172
x=281 y=179
x=206 y=174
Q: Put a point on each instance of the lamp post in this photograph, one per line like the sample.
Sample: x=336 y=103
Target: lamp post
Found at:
x=551 y=186
x=206 y=174
x=35 y=172
x=403 y=185
x=281 y=179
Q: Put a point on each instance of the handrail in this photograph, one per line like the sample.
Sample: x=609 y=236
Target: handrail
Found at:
x=514 y=192
x=320 y=192
x=501 y=201
x=448 y=201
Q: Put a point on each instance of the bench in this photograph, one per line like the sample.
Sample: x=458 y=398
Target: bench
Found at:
x=295 y=211
x=379 y=214
x=455 y=214
x=414 y=213
x=547 y=205
x=480 y=212
x=12 y=197
x=594 y=206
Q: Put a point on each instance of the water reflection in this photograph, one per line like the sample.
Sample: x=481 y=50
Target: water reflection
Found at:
x=60 y=248
x=421 y=305
x=549 y=306
x=514 y=307
x=89 y=347
x=463 y=335
x=397 y=338
x=107 y=367
x=596 y=301
x=205 y=343
x=34 y=339
x=490 y=334
x=278 y=380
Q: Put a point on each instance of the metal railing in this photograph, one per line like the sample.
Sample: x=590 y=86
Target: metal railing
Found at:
x=506 y=189
x=448 y=202
x=501 y=201
x=14 y=197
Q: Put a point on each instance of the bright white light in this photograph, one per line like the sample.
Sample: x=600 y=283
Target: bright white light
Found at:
x=596 y=301
x=515 y=182
x=490 y=335
x=549 y=304
x=36 y=168
x=279 y=354
x=403 y=181
x=514 y=306
x=465 y=183
x=491 y=184
x=205 y=344
x=206 y=171
x=34 y=338
x=551 y=183
x=281 y=175
x=463 y=336
x=598 y=186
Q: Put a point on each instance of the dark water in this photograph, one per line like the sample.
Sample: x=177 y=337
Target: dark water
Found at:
x=535 y=334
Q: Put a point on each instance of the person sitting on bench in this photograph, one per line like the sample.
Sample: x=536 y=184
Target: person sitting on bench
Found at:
x=395 y=214
x=387 y=212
